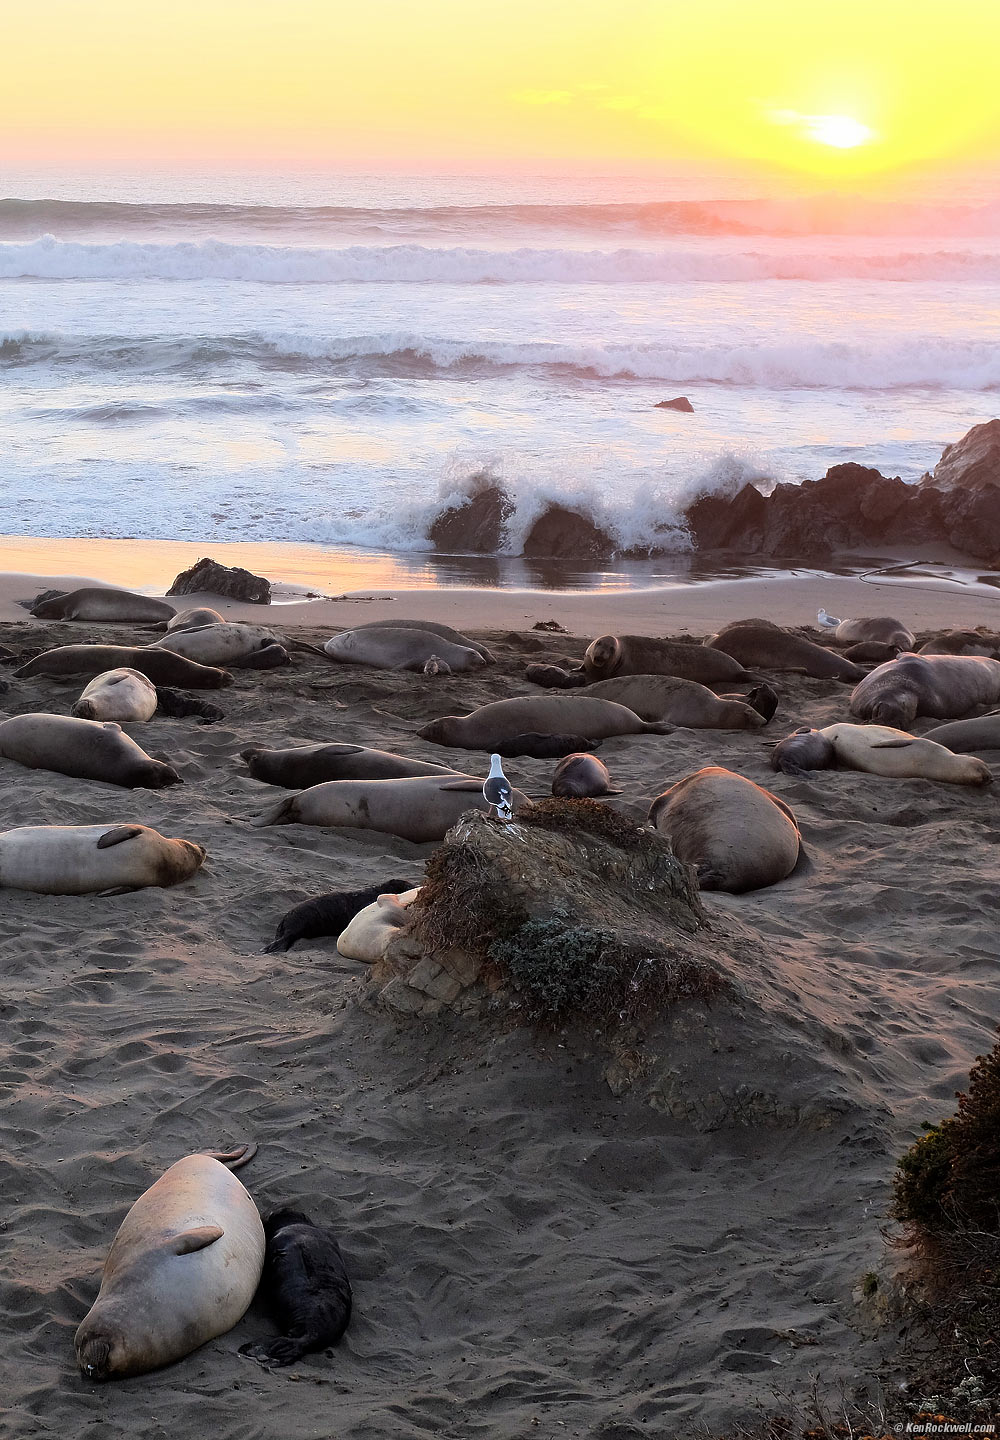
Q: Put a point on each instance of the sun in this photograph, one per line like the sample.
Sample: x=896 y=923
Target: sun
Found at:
x=840 y=131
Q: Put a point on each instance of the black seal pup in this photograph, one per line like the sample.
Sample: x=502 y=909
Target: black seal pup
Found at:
x=305 y=1285
x=328 y=914
x=544 y=747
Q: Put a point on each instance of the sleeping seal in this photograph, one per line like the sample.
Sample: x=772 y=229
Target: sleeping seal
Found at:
x=367 y=935
x=182 y=1269
x=488 y=727
x=875 y=629
x=87 y=749
x=163 y=667
x=982 y=733
x=193 y=619
x=960 y=642
x=682 y=702
x=301 y=766
x=327 y=915
x=880 y=750
x=737 y=836
x=804 y=750
x=581 y=777
x=305 y=1285
x=222 y=644
x=117 y=695
x=544 y=747
x=431 y=627
x=84 y=859
x=98 y=602
x=400 y=648
x=420 y=809
x=610 y=655
x=945 y=686
x=771 y=648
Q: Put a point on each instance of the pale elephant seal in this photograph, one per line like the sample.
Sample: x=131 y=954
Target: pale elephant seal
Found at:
x=399 y=648
x=437 y=666
x=302 y=766
x=87 y=859
x=182 y=1269
x=611 y=655
x=306 y=1286
x=883 y=629
x=771 y=648
x=580 y=777
x=327 y=915
x=944 y=686
x=880 y=750
x=163 y=667
x=682 y=702
x=804 y=750
x=431 y=627
x=117 y=695
x=367 y=936
x=88 y=749
x=100 y=603
x=737 y=835
x=982 y=733
x=222 y=644
x=488 y=727
x=960 y=642
x=420 y=809
x=195 y=618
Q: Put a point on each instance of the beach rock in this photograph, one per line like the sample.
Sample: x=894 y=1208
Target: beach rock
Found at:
x=209 y=577
x=972 y=463
x=477 y=527
x=564 y=534
x=716 y=523
x=680 y=402
x=971 y=520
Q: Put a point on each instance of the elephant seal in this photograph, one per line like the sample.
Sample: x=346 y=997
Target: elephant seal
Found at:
x=554 y=677
x=682 y=702
x=87 y=749
x=488 y=727
x=611 y=655
x=961 y=736
x=880 y=750
x=437 y=666
x=944 y=686
x=804 y=750
x=163 y=667
x=178 y=705
x=580 y=777
x=222 y=644
x=399 y=648
x=737 y=835
x=192 y=619
x=367 y=935
x=960 y=642
x=883 y=629
x=182 y=1269
x=772 y=648
x=431 y=627
x=327 y=915
x=304 y=765
x=117 y=695
x=872 y=652
x=420 y=809
x=306 y=1287
x=544 y=747
x=97 y=602
x=84 y=859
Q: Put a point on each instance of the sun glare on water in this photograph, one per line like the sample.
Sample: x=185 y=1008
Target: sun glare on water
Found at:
x=840 y=131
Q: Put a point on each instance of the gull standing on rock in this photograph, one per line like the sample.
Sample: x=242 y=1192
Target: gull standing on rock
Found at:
x=497 y=790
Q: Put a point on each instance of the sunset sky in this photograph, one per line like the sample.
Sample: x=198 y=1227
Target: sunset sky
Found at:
x=831 y=91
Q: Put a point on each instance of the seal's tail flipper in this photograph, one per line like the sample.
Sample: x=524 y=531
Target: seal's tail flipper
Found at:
x=828 y=622
x=233 y=1159
x=277 y=814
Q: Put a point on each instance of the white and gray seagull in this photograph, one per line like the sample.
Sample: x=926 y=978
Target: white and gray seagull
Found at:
x=497 y=790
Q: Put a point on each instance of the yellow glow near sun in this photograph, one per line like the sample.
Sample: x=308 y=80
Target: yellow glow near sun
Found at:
x=840 y=131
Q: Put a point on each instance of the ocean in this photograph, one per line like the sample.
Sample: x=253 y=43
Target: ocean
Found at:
x=333 y=360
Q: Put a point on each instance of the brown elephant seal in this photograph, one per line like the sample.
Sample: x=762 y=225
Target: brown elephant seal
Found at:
x=872 y=652
x=302 y=766
x=737 y=835
x=771 y=648
x=121 y=695
x=182 y=1269
x=366 y=937
x=884 y=629
x=88 y=749
x=328 y=914
x=163 y=667
x=961 y=736
x=489 y=726
x=554 y=677
x=804 y=750
x=944 y=686
x=98 y=602
x=579 y=777
x=221 y=644
x=399 y=648
x=436 y=666
x=960 y=642
x=192 y=619
x=89 y=859
x=431 y=627
x=421 y=809
x=881 y=750
x=682 y=702
x=611 y=655
x=544 y=747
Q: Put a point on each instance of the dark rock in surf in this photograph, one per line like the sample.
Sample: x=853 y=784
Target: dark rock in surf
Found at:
x=972 y=463
x=477 y=527
x=680 y=402
x=564 y=534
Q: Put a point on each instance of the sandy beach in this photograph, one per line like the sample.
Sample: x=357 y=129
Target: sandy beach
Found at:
x=531 y=1255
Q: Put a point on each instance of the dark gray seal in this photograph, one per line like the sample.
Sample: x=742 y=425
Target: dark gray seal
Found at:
x=328 y=915
x=163 y=667
x=964 y=736
x=611 y=655
x=580 y=777
x=944 y=686
x=771 y=648
x=301 y=766
x=433 y=628
x=99 y=602
x=544 y=747
x=86 y=749
x=306 y=1287
x=804 y=750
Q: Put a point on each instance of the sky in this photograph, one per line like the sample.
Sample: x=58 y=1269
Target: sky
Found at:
x=829 y=91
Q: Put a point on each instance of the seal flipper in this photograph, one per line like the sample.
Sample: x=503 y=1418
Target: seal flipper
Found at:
x=199 y=1237
x=118 y=835
x=891 y=744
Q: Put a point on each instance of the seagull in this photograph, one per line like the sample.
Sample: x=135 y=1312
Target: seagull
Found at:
x=829 y=622
x=497 y=790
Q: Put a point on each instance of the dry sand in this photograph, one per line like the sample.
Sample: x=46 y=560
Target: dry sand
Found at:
x=531 y=1255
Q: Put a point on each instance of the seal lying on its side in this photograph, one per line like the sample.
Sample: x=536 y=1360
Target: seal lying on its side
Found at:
x=771 y=648
x=84 y=859
x=327 y=915
x=581 y=777
x=301 y=766
x=880 y=750
x=872 y=652
x=368 y=934
x=431 y=627
x=682 y=702
x=163 y=667
x=117 y=695
x=961 y=736
x=883 y=629
x=737 y=836
x=88 y=749
x=960 y=642
x=193 y=619
x=182 y=1269
x=555 y=677
x=610 y=655
x=420 y=809
x=97 y=602
x=544 y=747
x=305 y=1285
x=221 y=644
x=489 y=726
x=945 y=686
x=400 y=648
x=804 y=750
